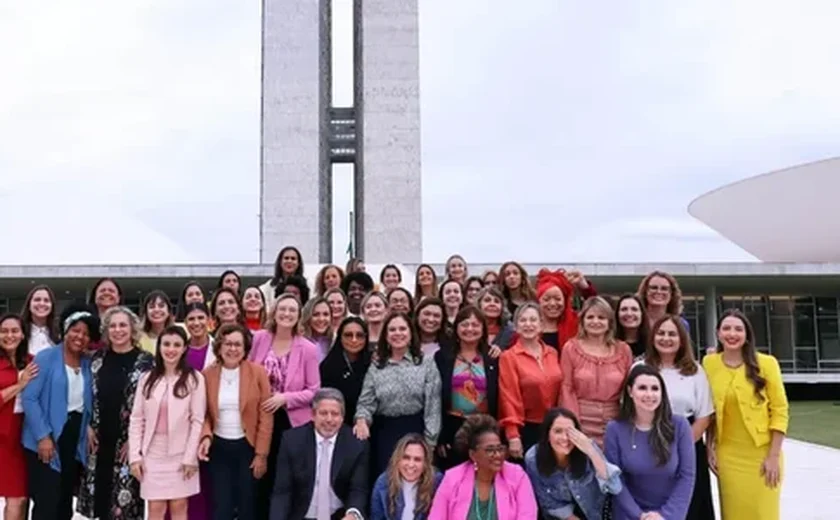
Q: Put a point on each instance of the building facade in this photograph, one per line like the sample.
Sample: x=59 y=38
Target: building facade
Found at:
x=794 y=308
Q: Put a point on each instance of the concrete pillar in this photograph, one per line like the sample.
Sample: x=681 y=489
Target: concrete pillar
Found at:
x=711 y=315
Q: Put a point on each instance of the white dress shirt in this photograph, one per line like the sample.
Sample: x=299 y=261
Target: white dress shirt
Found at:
x=335 y=502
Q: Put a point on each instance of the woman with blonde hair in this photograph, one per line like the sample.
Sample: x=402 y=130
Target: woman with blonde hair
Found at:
x=108 y=489
x=409 y=483
x=594 y=366
x=316 y=325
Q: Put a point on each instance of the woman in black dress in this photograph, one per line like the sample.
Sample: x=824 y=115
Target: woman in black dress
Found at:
x=346 y=364
x=108 y=490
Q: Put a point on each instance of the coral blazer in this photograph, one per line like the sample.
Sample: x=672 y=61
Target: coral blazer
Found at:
x=253 y=390
x=303 y=378
x=514 y=494
x=185 y=419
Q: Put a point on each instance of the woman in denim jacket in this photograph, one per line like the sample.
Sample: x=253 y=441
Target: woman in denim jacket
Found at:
x=410 y=480
x=569 y=473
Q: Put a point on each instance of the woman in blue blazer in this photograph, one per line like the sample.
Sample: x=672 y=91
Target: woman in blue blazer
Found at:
x=57 y=406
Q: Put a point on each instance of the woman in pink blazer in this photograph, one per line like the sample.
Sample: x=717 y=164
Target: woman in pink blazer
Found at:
x=165 y=427
x=291 y=362
x=486 y=486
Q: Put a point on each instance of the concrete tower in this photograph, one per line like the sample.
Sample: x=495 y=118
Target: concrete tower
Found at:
x=303 y=135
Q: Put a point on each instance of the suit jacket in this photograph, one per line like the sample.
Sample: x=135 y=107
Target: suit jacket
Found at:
x=253 y=390
x=295 y=480
x=445 y=362
x=760 y=416
x=302 y=379
x=45 y=403
x=514 y=495
x=185 y=418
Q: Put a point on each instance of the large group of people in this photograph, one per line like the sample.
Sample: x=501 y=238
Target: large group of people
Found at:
x=500 y=396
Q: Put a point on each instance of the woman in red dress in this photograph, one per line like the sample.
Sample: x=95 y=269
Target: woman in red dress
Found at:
x=16 y=370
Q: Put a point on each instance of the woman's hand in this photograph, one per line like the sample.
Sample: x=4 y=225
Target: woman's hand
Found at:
x=93 y=444
x=770 y=470
x=204 y=449
x=259 y=466
x=515 y=448
x=137 y=471
x=188 y=470
x=28 y=374
x=274 y=403
x=123 y=454
x=581 y=442
x=46 y=450
x=361 y=430
x=495 y=351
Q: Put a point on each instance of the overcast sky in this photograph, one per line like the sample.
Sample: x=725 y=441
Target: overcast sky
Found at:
x=561 y=132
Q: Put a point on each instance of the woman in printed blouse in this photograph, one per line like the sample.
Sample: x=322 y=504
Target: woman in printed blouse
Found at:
x=594 y=366
x=405 y=490
x=529 y=381
x=469 y=381
x=165 y=426
x=39 y=318
x=16 y=371
x=157 y=314
x=315 y=322
x=672 y=354
x=631 y=324
x=347 y=363
x=486 y=487
x=400 y=394
x=291 y=362
x=654 y=450
x=425 y=283
x=109 y=490
x=253 y=303
x=570 y=474
x=750 y=423
x=555 y=295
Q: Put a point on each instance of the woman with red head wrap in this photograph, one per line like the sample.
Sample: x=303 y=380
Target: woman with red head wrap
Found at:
x=555 y=291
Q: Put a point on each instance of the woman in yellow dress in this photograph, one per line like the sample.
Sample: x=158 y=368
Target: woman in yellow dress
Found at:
x=751 y=420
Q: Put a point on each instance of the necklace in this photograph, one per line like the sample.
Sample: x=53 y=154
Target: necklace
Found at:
x=229 y=380
x=477 y=503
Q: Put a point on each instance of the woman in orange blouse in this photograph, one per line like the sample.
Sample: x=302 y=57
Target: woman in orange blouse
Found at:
x=529 y=381
x=595 y=365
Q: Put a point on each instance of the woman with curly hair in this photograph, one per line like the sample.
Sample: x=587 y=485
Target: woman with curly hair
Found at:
x=408 y=484
x=486 y=486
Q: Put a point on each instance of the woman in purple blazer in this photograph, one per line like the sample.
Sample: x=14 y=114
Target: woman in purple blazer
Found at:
x=291 y=362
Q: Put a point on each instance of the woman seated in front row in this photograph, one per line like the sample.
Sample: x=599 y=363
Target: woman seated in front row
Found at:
x=406 y=488
x=486 y=486
x=571 y=476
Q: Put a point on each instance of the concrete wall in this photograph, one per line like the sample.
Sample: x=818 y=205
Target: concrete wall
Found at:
x=295 y=99
x=387 y=98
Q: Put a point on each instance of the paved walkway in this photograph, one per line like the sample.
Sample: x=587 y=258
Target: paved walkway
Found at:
x=811 y=488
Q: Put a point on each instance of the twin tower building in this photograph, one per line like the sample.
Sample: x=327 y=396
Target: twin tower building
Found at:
x=304 y=134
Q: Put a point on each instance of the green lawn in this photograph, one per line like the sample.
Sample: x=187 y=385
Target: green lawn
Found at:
x=815 y=421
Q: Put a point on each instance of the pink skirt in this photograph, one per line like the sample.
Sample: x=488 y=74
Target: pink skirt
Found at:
x=162 y=478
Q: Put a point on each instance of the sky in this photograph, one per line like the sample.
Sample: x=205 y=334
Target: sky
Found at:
x=563 y=132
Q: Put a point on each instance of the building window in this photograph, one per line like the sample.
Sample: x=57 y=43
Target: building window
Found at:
x=781 y=338
x=829 y=338
x=806 y=360
x=806 y=335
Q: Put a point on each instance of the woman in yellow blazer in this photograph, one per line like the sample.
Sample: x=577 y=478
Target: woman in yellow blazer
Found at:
x=751 y=420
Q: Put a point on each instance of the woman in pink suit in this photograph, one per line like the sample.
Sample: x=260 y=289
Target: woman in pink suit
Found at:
x=486 y=486
x=291 y=362
x=165 y=428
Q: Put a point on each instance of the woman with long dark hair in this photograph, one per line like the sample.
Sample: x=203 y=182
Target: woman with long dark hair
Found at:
x=253 y=303
x=289 y=262
x=193 y=292
x=570 y=475
x=57 y=407
x=345 y=366
x=230 y=279
x=226 y=308
x=16 y=371
x=654 y=450
x=631 y=323
x=405 y=490
x=469 y=377
x=165 y=427
x=671 y=352
x=745 y=441
x=400 y=394
x=39 y=319
x=156 y=314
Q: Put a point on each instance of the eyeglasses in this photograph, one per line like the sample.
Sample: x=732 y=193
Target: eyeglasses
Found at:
x=494 y=450
x=353 y=335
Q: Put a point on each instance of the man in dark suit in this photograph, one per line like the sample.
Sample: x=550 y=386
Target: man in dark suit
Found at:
x=322 y=468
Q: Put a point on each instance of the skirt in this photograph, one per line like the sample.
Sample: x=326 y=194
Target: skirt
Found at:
x=162 y=476
x=386 y=432
x=13 y=479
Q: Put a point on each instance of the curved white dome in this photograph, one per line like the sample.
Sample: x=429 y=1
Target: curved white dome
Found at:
x=49 y=228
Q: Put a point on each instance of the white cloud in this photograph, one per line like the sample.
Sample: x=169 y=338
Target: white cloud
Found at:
x=556 y=131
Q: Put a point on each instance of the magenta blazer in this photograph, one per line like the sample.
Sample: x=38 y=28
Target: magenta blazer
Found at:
x=303 y=378
x=185 y=418
x=514 y=494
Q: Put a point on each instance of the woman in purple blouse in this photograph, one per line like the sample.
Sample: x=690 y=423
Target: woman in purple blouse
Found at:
x=653 y=448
